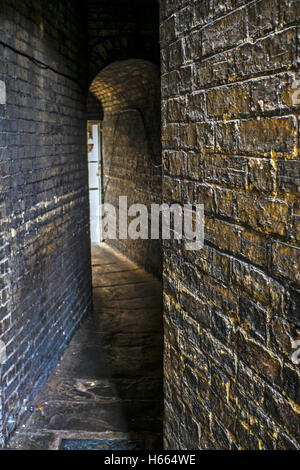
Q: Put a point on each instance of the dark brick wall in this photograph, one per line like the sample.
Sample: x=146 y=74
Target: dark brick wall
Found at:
x=94 y=108
x=130 y=95
x=45 y=254
x=230 y=141
x=120 y=30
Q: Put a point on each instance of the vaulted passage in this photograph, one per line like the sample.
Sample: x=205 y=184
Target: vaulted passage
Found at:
x=129 y=94
x=134 y=104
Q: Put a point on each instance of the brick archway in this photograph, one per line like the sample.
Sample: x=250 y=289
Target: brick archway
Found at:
x=129 y=93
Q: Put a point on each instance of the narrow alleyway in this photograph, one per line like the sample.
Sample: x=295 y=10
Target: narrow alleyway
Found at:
x=106 y=392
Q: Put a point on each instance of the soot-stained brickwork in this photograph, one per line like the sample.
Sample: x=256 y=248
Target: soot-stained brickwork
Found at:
x=230 y=141
x=94 y=108
x=121 y=30
x=45 y=286
x=129 y=92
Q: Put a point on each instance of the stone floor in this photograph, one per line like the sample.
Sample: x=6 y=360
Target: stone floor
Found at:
x=107 y=386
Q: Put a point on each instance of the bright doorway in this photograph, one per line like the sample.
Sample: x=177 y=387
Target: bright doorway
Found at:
x=94 y=130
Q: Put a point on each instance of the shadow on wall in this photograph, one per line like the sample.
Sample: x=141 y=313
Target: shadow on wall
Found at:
x=129 y=92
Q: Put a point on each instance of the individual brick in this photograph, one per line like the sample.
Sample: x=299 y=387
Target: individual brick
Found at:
x=219 y=353
x=204 y=194
x=253 y=319
x=249 y=383
x=224 y=33
x=225 y=202
x=294 y=306
x=223 y=235
x=187 y=192
x=177 y=163
x=221 y=267
x=267 y=135
x=226 y=137
x=170 y=136
x=254 y=247
x=164 y=60
x=195 y=166
x=264 y=94
x=288 y=176
x=289 y=12
x=188 y=136
x=168 y=31
x=171 y=190
x=203 y=12
x=220 y=406
x=291 y=378
x=221 y=326
x=263 y=214
x=197 y=309
x=196 y=109
x=226 y=6
x=296 y=220
x=259 y=287
x=225 y=170
x=258 y=358
x=282 y=334
x=220 y=434
x=289 y=90
x=176 y=55
x=261 y=175
x=262 y=18
x=193 y=46
x=228 y=102
x=205 y=136
x=177 y=109
x=219 y=69
x=184 y=20
x=184 y=79
x=286 y=261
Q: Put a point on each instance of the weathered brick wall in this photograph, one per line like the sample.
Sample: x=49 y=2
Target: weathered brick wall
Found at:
x=45 y=254
x=230 y=140
x=130 y=95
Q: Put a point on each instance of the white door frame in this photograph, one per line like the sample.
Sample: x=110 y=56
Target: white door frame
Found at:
x=94 y=142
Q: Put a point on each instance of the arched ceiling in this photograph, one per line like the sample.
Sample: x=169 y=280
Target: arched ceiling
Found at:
x=129 y=85
x=120 y=30
x=132 y=83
